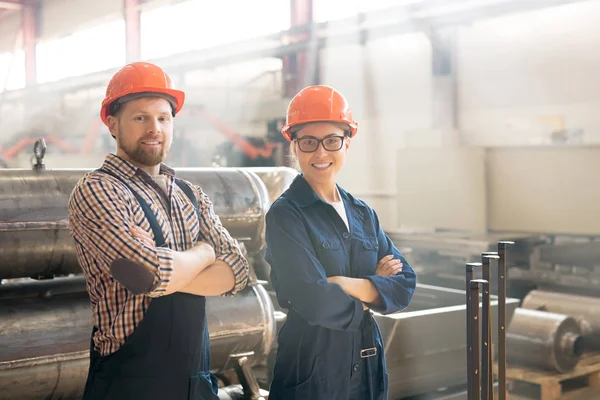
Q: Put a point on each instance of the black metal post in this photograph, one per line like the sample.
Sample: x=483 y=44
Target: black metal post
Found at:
x=469 y=278
x=475 y=378
x=487 y=389
x=502 y=319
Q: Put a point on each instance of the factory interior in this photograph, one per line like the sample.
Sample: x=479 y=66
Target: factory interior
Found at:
x=477 y=148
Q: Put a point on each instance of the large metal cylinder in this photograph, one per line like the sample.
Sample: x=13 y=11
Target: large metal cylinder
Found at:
x=276 y=179
x=33 y=215
x=585 y=309
x=543 y=340
x=45 y=342
x=27 y=287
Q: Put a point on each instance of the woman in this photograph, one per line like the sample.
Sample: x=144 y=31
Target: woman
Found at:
x=331 y=263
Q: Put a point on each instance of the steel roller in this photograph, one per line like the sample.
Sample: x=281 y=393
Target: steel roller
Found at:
x=45 y=341
x=543 y=340
x=34 y=226
x=276 y=179
x=585 y=309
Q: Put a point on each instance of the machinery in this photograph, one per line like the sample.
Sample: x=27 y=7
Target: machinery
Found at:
x=45 y=318
x=568 y=264
x=45 y=322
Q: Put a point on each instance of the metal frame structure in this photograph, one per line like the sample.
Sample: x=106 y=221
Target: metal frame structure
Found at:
x=428 y=16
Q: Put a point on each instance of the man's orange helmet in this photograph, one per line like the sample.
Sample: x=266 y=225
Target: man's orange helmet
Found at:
x=140 y=77
x=318 y=104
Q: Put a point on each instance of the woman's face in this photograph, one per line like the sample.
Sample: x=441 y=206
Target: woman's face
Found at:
x=321 y=165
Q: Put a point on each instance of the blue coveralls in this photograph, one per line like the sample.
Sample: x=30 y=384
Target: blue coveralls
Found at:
x=320 y=344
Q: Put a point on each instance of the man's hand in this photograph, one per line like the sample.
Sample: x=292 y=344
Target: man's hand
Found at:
x=387 y=266
x=142 y=236
x=208 y=252
x=186 y=266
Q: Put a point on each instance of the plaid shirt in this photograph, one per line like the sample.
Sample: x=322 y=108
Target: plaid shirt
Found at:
x=101 y=213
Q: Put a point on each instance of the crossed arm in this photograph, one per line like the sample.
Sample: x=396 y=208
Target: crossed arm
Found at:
x=195 y=271
x=105 y=231
x=364 y=289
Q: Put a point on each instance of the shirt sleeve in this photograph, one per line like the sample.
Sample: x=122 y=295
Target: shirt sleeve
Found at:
x=299 y=278
x=226 y=247
x=395 y=292
x=100 y=219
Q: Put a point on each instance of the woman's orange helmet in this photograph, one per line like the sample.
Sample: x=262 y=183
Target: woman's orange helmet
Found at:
x=318 y=103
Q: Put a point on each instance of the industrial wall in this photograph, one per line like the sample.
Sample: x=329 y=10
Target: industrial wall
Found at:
x=519 y=79
x=522 y=80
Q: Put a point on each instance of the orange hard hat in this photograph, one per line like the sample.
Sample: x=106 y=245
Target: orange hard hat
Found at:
x=318 y=103
x=140 y=77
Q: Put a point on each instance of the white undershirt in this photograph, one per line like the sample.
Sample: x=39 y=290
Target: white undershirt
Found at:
x=341 y=210
x=161 y=180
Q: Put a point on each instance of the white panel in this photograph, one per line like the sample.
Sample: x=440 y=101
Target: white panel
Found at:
x=549 y=190
x=62 y=17
x=442 y=188
x=388 y=85
x=10 y=25
x=523 y=76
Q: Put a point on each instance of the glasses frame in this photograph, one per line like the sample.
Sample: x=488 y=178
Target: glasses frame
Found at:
x=320 y=142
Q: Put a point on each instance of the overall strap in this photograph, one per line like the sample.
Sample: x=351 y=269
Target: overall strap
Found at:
x=190 y=194
x=159 y=238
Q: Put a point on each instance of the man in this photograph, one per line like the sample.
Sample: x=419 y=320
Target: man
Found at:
x=132 y=219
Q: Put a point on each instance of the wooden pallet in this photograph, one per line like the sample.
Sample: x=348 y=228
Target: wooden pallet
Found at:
x=553 y=385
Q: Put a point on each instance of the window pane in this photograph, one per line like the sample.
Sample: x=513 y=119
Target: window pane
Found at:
x=12 y=70
x=200 y=24
x=91 y=50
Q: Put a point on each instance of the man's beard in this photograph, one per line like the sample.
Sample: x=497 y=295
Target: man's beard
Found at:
x=149 y=158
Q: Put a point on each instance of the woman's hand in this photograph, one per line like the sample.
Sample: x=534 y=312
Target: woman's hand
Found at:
x=387 y=266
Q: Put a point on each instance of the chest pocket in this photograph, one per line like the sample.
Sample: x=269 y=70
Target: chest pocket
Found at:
x=192 y=224
x=367 y=250
x=331 y=255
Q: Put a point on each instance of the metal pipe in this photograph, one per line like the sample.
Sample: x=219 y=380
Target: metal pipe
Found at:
x=26 y=287
x=276 y=179
x=585 y=309
x=544 y=340
x=45 y=342
x=67 y=373
x=469 y=278
x=502 y=245
x=59 y=376
x=487 y=390
x=34 y=226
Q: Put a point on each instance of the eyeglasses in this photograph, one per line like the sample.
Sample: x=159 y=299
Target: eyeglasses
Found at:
x=310 y=144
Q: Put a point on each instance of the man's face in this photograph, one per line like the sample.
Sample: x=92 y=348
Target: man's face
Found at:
x=144 y=131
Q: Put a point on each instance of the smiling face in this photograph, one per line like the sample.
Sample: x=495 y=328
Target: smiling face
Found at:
x=321 y=166
x=144 y=132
